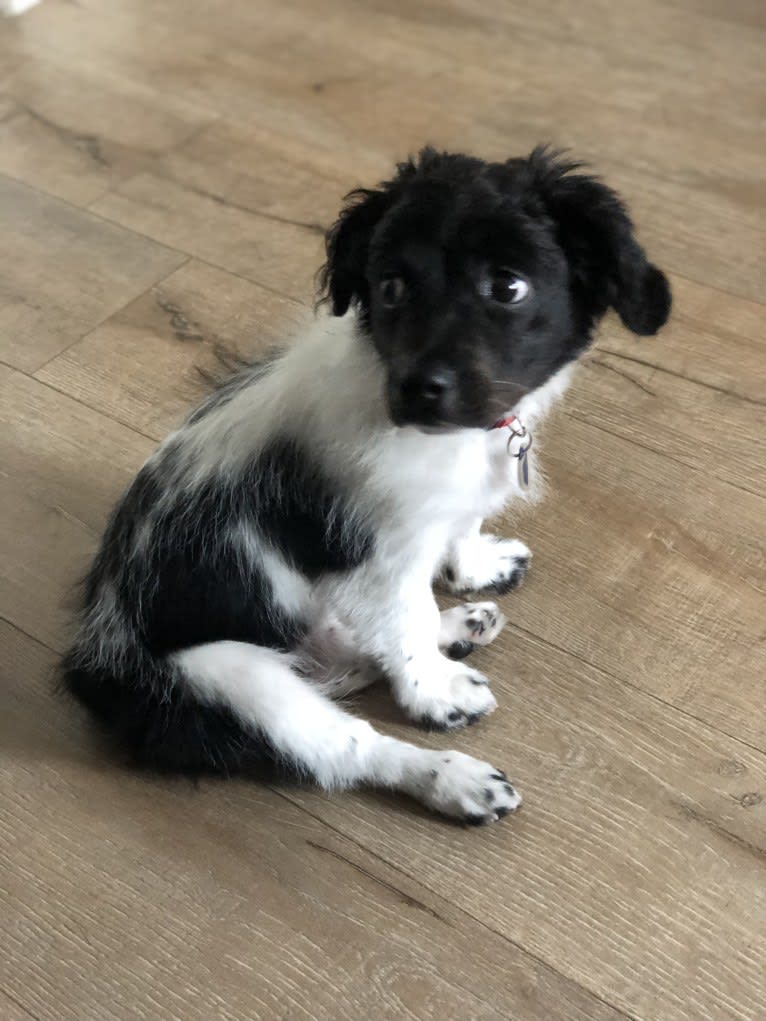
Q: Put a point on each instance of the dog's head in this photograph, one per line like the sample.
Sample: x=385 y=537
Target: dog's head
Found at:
x=477 y=281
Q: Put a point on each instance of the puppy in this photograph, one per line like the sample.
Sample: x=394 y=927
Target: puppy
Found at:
x=278 y=551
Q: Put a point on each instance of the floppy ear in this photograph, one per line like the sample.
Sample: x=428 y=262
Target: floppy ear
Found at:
x=608 y=267
x=342 y=279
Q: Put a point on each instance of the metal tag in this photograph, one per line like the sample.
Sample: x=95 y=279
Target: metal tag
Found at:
x=523 y=462
x=518 y=432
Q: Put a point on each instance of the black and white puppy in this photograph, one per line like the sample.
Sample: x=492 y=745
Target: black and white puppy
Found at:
x=279 y=549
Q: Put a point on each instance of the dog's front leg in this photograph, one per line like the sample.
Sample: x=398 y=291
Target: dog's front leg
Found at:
x=479 y=562
x=397 y=622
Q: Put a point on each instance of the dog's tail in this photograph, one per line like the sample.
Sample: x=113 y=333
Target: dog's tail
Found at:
x=147 y=708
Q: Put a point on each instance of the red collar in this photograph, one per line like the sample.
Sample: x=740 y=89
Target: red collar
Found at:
x=517 y=432
x=505 y=423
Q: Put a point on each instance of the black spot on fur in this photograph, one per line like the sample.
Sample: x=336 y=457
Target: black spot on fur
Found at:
x=178 y=567
x=158 y=722
x=303 y=514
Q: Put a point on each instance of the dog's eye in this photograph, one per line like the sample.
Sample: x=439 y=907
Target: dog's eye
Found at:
x=392 y=291
x=507 y=287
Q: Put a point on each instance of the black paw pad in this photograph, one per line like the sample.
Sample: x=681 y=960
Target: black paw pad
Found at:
x=504 y=585
x=473 y=717
x=476 y=820
x=460 y=649
x=430 y=724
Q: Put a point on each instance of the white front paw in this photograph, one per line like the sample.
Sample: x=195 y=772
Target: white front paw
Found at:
x=446 y=698
x=485 y=562
x=465 y=788
x=464 y=627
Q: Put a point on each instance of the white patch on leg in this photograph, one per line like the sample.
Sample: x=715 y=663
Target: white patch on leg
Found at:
x=401 y=633
x=439 y=694
x=465 y=788
x=263 y=687
x=481 y=561
x=474 y=623
x=334 y=748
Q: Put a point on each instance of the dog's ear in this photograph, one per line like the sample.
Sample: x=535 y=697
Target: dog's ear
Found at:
x=343 y=278
x=607 y=265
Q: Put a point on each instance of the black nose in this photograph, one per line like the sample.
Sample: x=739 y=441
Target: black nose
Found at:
x=429 y=386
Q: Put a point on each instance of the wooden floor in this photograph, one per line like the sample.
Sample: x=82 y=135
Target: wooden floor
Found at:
x=165 y=166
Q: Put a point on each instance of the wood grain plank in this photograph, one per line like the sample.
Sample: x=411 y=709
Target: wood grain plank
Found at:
x=641 y=571
x=637 y=862
x=73 y=134
x=271 y=170
x=63 y=467
x=279 y=255
x=684 y=148
x=128 y=896
x=744 y=12
x=64 y=272
x=654 y=36
x=712 y=338
x=142 y=367
x=12 y=1011
x=678 y=419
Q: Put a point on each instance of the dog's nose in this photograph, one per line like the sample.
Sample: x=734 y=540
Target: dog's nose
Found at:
x=429 y=385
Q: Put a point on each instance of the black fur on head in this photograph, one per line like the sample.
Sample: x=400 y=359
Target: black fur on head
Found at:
x=476 y=281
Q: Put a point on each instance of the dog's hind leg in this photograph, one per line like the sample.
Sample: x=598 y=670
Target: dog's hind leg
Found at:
x=319 y=740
